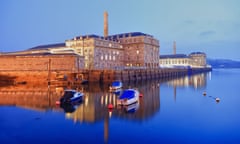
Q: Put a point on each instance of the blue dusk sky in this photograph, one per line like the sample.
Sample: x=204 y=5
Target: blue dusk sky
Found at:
x=210 y=26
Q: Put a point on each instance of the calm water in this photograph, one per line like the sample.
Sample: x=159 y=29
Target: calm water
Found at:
x=170 y=111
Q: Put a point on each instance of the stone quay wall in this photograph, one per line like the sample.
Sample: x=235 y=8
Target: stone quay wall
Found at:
x=138 y=74
x=65 y=77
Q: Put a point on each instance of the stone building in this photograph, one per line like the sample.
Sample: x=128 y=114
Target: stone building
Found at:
x=127 y=50
x=176 y=60
x=98 y=52
x=41 y=62
x=198 y=59
x=194 y=60
x=140 y=50
x=117 y=51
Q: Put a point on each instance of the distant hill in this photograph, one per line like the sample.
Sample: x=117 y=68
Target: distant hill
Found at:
x=223 y=63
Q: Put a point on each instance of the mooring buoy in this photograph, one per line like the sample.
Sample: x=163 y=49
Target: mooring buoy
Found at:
x=204 y=93
x=217 y=100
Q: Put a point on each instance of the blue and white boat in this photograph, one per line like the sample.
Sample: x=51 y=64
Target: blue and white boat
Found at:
x=132 y=107
x=115 y=85
x=71 y=96
x=129 y=96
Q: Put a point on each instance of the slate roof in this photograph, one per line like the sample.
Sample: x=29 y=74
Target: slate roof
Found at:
x=173 y=56
x=48 y=46
x=114 y=37
x=197 y=53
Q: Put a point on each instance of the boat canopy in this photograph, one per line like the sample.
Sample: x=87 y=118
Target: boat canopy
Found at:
x=69 y=94
x=116 y=83
x=127 y=94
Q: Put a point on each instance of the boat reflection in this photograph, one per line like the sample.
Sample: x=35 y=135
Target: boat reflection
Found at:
x=68 y=108
x=132 y=108
x=96 y=98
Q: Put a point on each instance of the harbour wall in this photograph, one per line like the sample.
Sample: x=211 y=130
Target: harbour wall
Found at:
x=66 y=77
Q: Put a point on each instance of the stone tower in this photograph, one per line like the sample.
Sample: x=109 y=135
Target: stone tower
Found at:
x=105 y=24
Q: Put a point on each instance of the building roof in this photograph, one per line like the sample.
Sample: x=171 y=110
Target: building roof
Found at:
x=48 y=46
x=131 y=34
x=40 y=54
x=197 y=53
x=88 y=36
x=173 y=56
x=113 y=37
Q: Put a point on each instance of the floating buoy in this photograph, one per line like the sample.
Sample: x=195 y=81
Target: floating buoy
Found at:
x=58 y=102
x=140 y=95
x=217 y=100
x=204 y=93
x=110 y=106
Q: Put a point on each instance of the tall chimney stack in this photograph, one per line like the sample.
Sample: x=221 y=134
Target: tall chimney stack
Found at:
x=105 y=24
x=174 y=47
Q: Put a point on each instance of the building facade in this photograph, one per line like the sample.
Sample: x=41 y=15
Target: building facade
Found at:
x=177 y=60
x=194 y=60
x=98 y=52
x=41 y=62
x=198 y=59
x=117 y=51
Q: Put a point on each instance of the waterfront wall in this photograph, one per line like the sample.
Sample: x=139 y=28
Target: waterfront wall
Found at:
x=68 y=77
x=36 y=62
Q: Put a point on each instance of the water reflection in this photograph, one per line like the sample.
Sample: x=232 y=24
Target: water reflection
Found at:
x=97 y=98
x=197 y=81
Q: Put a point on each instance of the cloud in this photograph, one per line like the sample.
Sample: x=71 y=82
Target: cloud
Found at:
x=189 y=22
x=207 y=33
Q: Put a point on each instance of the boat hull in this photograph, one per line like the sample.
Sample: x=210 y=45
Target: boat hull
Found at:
x=128 y=100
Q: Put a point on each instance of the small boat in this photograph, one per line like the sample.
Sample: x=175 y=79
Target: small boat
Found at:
x=115 y=85
x=71 y=96
x=117 y=92
x=132 y=107
x=129 y=96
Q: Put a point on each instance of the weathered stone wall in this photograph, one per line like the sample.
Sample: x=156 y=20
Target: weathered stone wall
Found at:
x=41 y=62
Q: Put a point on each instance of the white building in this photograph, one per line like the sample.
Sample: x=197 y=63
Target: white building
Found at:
x=193 y=60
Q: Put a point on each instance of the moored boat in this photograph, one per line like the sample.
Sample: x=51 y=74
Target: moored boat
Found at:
x=71 y=96
x=132 y=107
x=129 y=96
x=115 y=85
